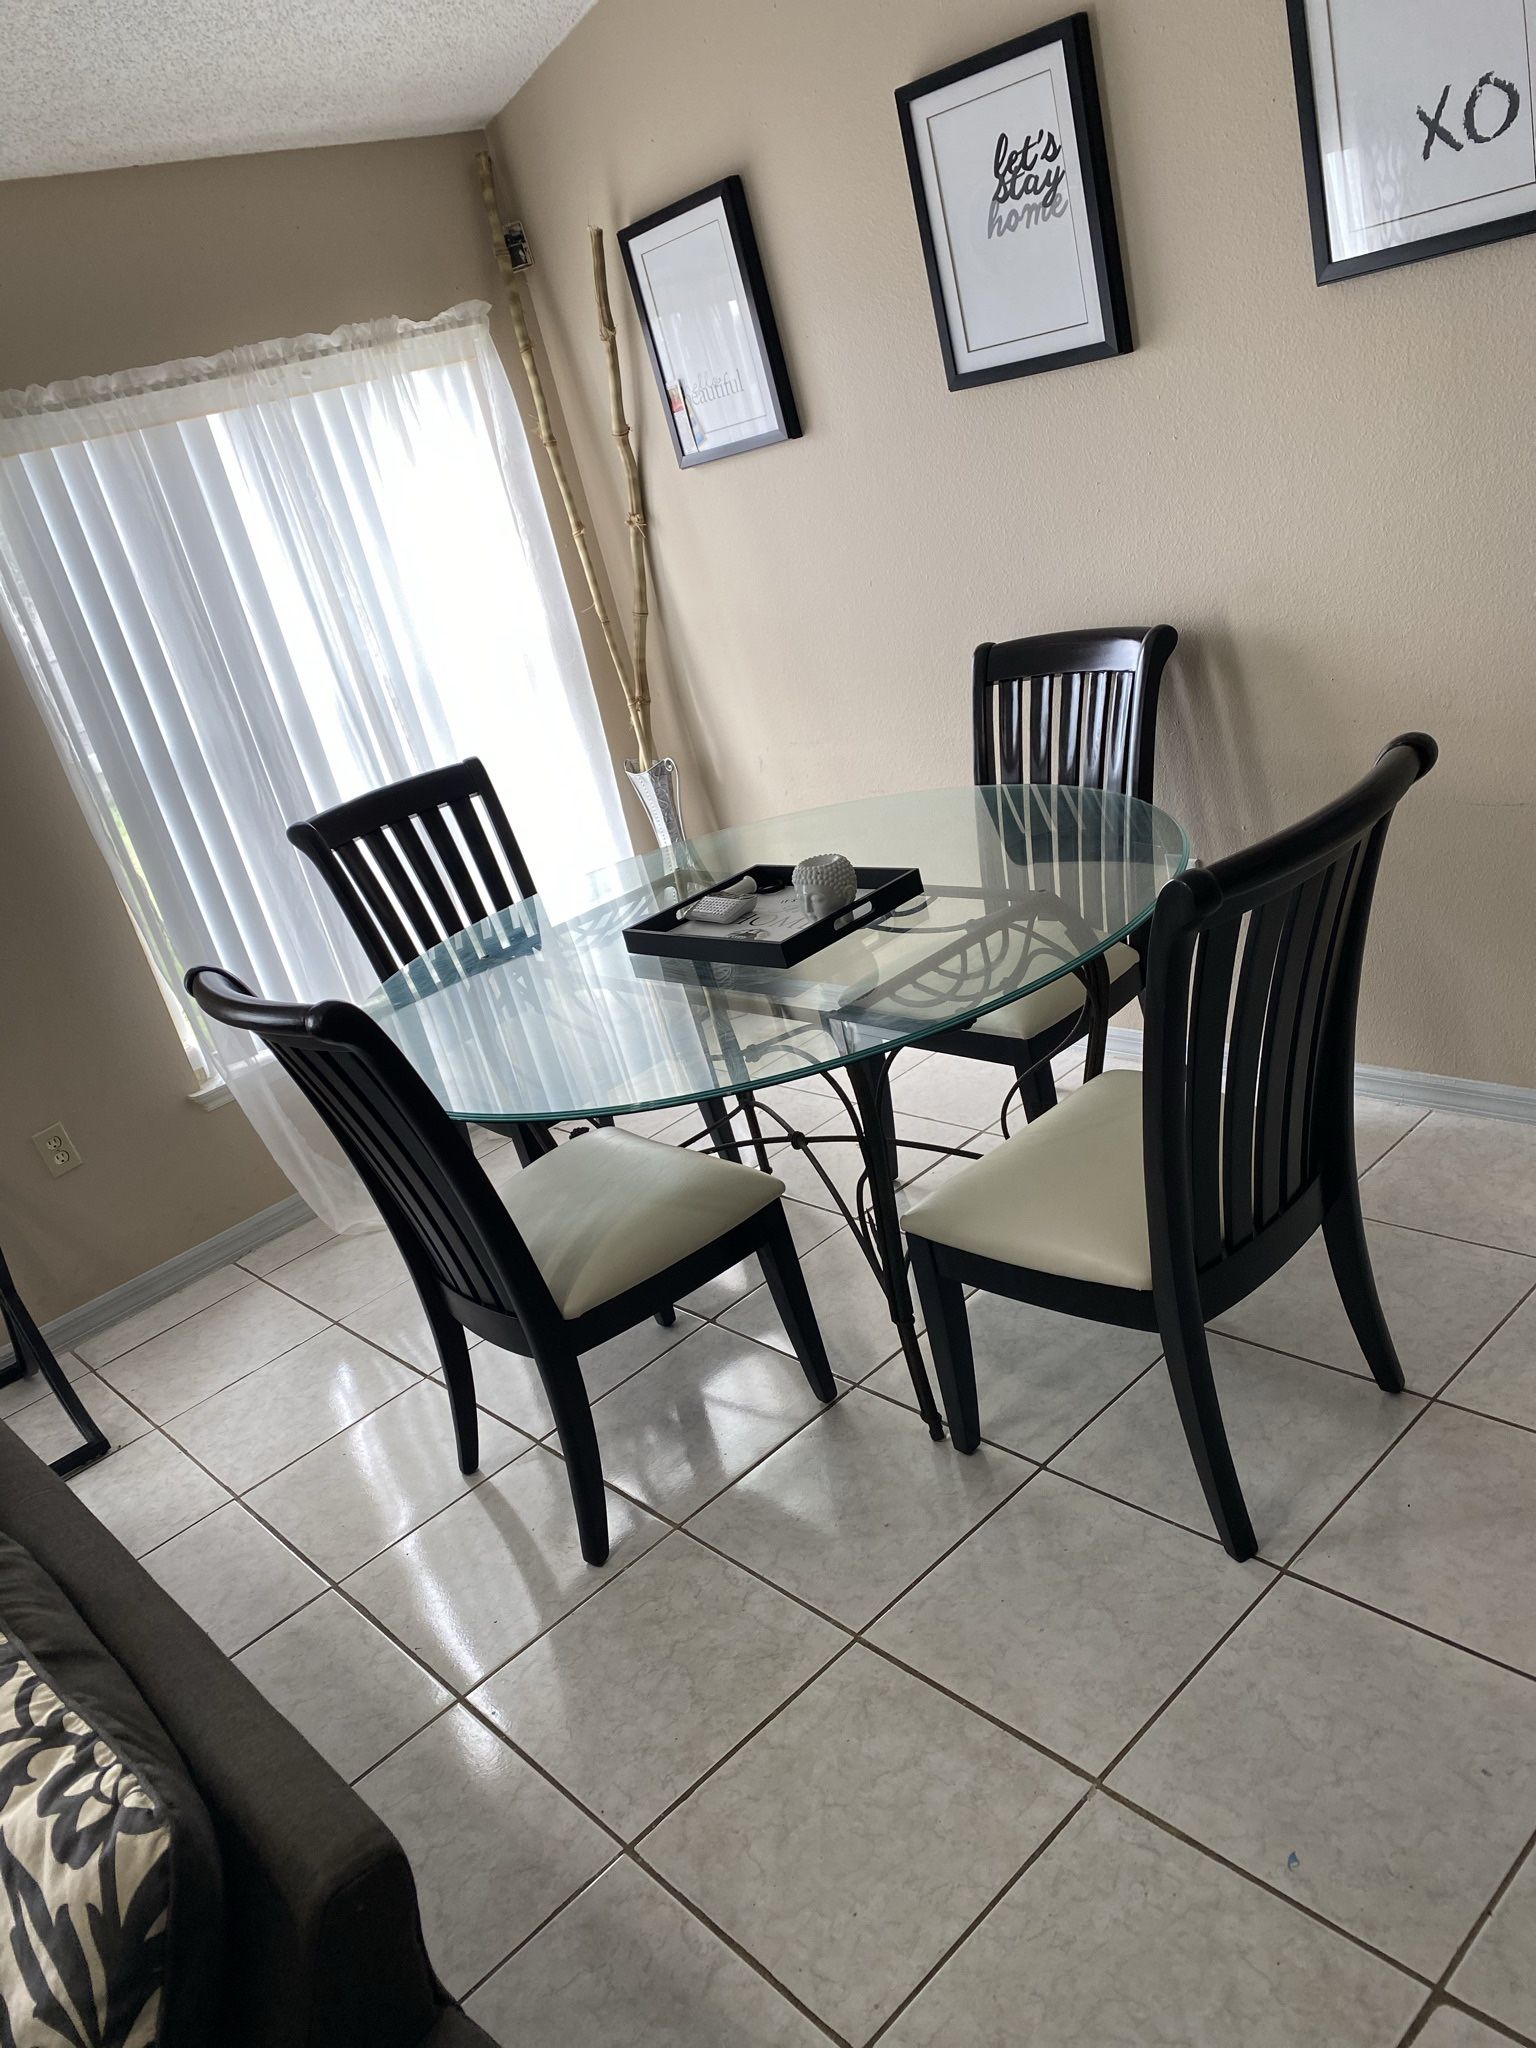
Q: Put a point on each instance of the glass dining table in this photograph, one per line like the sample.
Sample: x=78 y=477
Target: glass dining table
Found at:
x=532 y=1018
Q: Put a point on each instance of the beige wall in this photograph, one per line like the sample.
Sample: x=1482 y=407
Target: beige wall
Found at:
x=1328 y=492
x=101 y=273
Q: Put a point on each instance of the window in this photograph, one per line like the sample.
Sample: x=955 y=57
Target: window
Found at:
x=245 y=589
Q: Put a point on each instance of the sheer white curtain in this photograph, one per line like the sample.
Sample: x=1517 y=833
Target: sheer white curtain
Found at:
x=244 y=588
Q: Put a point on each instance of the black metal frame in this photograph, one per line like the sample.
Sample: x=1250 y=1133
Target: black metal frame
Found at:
x=732 y=195
x=1076 y=40
x=1076 y=708
x=1253 y=984
x=33 y=1354
x=1331 y=269
x=465 y=1256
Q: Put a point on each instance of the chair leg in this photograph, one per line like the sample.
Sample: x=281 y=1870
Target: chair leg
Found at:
x=567 y=1396
x=531 y=1141
x=459 y=1378
x=949 y=1339
x=666 y=1317
x=1188 y=1359
x=1098 y=1045
x=1349 y=1255
x=717 y=1121
x=786 y=1283
x=1037 y=1088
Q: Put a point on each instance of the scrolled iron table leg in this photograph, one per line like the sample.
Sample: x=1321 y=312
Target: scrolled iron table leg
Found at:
x=34 y=1355
x=869 y=1081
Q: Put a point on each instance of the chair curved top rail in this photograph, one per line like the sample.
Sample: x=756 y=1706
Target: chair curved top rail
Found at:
x=1075 y=707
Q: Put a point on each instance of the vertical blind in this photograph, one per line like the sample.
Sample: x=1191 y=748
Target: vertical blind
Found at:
x=245 y=588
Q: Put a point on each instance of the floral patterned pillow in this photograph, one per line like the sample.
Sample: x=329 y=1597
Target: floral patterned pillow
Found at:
x=85 y=1873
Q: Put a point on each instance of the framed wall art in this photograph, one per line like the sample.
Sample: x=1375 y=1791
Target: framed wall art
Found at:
x=1011 y=184
x=709 y=327
x=1416 y=127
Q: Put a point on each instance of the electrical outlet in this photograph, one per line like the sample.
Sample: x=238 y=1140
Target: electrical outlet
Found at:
x=60 y=1154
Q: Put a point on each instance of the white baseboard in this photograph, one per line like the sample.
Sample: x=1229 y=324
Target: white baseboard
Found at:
x=1397 y=1084
x=65 y=1331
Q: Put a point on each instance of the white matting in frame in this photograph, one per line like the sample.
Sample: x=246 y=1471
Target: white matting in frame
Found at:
x=1417 y=126
x=1011 y=183
x=699 y=288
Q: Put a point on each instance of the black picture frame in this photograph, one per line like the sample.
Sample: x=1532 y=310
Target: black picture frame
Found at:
x=731 y=195
x=1074 y=35
x=1332 y=269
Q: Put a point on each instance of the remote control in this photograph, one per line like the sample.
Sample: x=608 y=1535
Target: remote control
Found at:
x=719 y=909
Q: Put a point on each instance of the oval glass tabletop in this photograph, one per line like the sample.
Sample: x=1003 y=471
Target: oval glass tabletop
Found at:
x=522 y=1018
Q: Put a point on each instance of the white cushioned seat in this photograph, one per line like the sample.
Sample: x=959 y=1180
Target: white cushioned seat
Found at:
x=1065 y=1195
x=607 y=1210
x=1043 y=1007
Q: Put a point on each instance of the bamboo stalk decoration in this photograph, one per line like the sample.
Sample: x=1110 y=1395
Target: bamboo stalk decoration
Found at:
x=636 y=696
x=640 y=688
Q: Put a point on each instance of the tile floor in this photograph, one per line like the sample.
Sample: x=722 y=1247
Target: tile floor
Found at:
x=854 y=1739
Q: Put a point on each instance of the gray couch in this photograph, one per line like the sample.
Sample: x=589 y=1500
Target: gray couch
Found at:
x=322 y=1944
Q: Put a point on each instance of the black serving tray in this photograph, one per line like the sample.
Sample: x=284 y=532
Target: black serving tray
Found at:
x=880 y=890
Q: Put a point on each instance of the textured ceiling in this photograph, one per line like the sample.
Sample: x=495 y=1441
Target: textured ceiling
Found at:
x=88 y=84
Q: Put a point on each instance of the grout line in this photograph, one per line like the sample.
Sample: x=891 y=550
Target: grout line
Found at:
x=996 y=1899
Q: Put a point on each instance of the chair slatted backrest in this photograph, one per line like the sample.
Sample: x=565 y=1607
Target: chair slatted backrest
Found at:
x=1253 y=982
x=1078 y=708
x=412 y=1157
x=413 y=863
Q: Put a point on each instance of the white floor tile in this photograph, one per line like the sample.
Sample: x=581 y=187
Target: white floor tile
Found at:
x=698 y=1652
x=233 y=1577
x=1379 y=1126
x=278 y=1251
x=160 y=1315
x=858 y=1834
x=1501 y=1379
x=954 y=1091
x=277 y=1413
x=397 y=1323
x=211 y=1350
x=851 y=1510
x=346 y=1687
x=1463 y=1176
x=344 y=1274
x=1498 y=1974
x=625 y=1966
x=1301 y=1437
x=1443 y=1534
x=1070 y=1617
x=510 y=1387
x=854 y=1315
x=479 y=1581
x=1383 y=1778
x=1120 y=1936
x=355 y=1495
x=1440 y=1297
x=1448 y=2028
x=44 y=1427
x=148 y=1492
x=494 y=1847
x=1040 y=1377
x=698 y=1418
x=18 y=1394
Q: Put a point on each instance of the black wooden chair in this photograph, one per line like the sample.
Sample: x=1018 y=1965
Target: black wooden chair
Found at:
x=1077 y=709
x=1156 y=1200
x=585 y=1242
x=417 y=861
